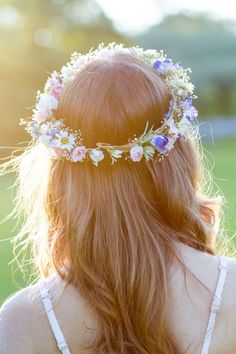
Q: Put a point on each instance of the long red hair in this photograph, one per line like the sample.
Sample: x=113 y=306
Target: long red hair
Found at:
x=116 y=226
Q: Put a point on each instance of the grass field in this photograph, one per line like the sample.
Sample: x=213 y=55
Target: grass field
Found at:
x=222 y=156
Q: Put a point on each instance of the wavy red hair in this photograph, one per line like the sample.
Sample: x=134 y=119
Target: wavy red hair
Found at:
x=116 y=226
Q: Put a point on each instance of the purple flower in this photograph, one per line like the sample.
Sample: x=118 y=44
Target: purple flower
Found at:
x=168 y=114
x=57 y=90
x=163 y=66
x=191 y=113
x=159 y=141
x=171 y=106
x=178 y=65
x=157 y=65
x=187 y=103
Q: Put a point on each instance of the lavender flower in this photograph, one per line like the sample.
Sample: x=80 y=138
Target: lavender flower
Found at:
x=187 y=103
x=157 y=65
x=171 y=106
x=191 y=113
x=164 y=66
x=178 y=65
x=159 y=141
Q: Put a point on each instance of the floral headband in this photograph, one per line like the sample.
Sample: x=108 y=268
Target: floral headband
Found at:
x=66 y=143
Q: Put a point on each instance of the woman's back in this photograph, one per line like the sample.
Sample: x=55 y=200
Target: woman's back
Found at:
x=189 y=310
x=112 y=183
x=187 y=316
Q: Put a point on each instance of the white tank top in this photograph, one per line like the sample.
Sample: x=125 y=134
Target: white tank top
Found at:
x=214 y=309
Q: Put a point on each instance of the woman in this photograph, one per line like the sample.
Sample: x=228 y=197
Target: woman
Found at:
x=123 y=233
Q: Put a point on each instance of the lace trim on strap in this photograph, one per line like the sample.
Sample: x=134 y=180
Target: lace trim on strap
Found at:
x=46 y=300
x=215 y=305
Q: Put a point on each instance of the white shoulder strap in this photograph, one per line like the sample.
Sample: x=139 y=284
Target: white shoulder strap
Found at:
x=46 y=299
x=215 y=305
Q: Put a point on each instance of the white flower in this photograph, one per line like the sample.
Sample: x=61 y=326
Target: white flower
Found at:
x=80 y=61
x=48 y=85
x=139 y=52
x=150 y=53
x=105 y=52
x=96 y=156
x=181 y=87
x=67 y=72
x=182 y=93
x=33 y=128
x=136 y=153
x=45 y=139
x=132 y=51
x=119 y=48
x=46 y=103
x=123 y=50
x=44 y=128
x=64 y=140
x=56 y=125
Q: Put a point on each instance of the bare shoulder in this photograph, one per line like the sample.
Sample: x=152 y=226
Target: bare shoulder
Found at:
x=194 y=300
x=24 y=326
x=17 y=320
x=206 y=267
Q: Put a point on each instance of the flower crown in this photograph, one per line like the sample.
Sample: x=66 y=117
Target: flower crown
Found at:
x=66 y=143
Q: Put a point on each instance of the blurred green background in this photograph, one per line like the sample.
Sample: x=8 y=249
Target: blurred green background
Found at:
x=38 y=36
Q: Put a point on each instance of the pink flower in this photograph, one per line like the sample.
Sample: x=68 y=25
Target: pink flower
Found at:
x=41 y=116
x=78 y=153
x=57 y=90
x=136 y=153
x=57 y=152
